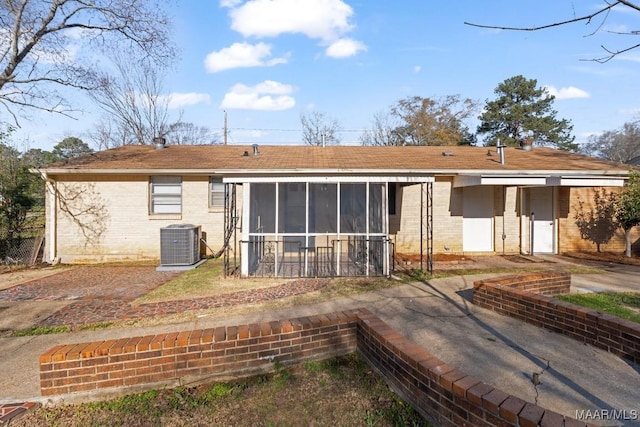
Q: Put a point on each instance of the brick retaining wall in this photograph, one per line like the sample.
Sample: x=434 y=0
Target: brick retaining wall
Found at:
x=232 y=350
x=441 y=393
x=527 y=297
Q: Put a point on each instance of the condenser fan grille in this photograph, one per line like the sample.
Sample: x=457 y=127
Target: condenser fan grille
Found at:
x=180 y=244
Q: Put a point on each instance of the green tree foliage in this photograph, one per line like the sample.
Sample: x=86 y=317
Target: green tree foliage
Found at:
x=522 y=111
x=620 y=145
x=18 y=195
x=424 y=121
x=628 y=208
x=37 y=157
x=70 y=148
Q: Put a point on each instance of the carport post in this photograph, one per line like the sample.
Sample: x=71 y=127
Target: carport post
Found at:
x=532 y=220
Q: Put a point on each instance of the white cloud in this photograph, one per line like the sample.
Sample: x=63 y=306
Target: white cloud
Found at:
x=629 y=111
x=324 y=20
x=240 y=55
x=229 y=3
x=179 y=100
x=318 y=19
x=633 y=57
x=417 y=68
x=266 y=96
x=345 y=48
x=570 y=92
x=618 y=28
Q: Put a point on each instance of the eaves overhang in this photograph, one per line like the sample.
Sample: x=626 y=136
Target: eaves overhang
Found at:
x=540 y=180
x=237 y=172
x=462 y=177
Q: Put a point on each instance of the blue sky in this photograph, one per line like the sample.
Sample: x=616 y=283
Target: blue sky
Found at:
x=266 y=62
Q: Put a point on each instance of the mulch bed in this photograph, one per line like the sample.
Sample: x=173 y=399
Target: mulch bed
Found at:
x=613 y=257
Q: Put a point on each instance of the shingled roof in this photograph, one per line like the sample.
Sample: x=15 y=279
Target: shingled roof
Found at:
x=297 y=159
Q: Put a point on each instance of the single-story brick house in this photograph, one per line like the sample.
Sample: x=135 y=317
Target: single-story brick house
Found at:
x=339 y=210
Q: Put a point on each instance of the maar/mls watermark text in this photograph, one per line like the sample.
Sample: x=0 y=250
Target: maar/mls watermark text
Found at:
x=608 y=414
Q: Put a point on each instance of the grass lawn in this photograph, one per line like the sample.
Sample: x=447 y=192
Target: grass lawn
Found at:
x=625 y=305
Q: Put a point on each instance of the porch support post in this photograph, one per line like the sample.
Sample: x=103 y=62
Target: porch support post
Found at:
x=245 y=247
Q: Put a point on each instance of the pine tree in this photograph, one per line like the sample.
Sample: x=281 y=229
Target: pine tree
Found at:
x=523 y=111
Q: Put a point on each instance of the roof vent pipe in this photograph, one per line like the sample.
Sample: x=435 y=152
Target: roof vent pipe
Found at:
x=500 y=149
x=159 y=142
x=255 y=149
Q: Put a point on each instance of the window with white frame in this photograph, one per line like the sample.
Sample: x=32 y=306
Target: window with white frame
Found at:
x=165 y=195
x=216 y=192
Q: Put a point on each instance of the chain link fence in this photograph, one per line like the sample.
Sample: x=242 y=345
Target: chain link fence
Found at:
x=25 y=247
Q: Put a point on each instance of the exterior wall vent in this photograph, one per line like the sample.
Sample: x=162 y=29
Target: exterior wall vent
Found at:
x=180 y=244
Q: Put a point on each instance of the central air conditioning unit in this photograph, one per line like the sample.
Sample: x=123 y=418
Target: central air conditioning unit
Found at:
x=180 y=244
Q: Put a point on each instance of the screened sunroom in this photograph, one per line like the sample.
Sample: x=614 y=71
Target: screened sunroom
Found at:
x=315 y=226
x=315 y=229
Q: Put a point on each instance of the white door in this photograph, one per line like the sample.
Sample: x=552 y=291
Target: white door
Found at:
x=541 y=203
x=477 y=219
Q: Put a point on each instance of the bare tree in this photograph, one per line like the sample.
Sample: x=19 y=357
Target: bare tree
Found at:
x=319 y=129
x=185 y=133
x=132 y=98
x=48 y=46
x=620 y=145
x=601 y=13
x=107 y=134
x=382 y=132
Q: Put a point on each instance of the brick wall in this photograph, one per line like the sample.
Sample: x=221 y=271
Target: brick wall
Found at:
x=528 y=298
x=442 y=394
x=570 y=238
x=162 y=359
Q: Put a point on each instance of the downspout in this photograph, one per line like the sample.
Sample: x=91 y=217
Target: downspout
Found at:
x=421 y=226
x=51 y=217
x=504 y=214
x=521 y=215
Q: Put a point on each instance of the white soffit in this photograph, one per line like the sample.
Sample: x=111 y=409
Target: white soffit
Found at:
x=326 y=179
x=523 y=180
x=474 y=180
x=595 y=181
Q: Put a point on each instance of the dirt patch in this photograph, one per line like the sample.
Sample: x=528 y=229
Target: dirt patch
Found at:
x=523 y=259
x=342 y=391
x=412 y=259
x=612 y=257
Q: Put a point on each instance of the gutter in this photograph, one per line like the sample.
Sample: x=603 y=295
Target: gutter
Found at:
x=310 y=171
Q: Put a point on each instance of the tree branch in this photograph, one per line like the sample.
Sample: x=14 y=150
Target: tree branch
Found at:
x=588 y=18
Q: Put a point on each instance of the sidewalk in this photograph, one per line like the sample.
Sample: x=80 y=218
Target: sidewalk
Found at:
x=439 y=316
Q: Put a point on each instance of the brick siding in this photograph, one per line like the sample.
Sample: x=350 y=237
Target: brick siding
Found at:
x=442 y=394
x=528 y=297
